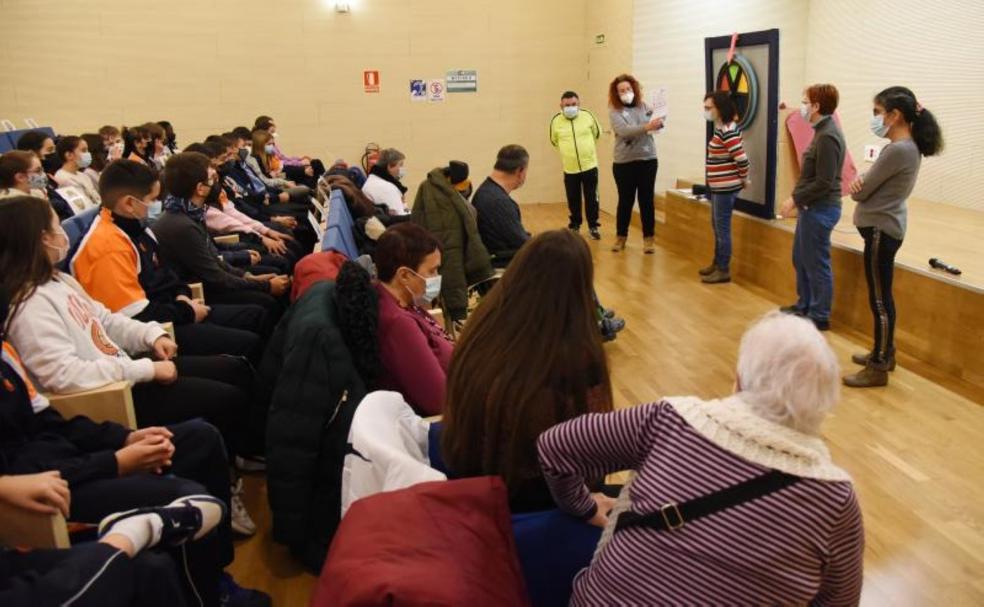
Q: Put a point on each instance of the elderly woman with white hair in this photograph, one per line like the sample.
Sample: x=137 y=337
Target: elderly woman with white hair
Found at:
x=735 y=501
x=384 y=185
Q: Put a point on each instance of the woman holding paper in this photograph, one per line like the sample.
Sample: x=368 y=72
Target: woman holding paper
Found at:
x=635 y=162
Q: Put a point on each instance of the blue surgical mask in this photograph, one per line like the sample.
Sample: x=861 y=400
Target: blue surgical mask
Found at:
x=38 y=181
x=269 y=149
x=154 y=210
x=401 y=173
x=432 y=288
x=85 y=160
x=878 y=126
x=570 y=112
x=805 y=111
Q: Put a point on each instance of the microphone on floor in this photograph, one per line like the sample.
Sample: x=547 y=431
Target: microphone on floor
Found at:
x=940 y=265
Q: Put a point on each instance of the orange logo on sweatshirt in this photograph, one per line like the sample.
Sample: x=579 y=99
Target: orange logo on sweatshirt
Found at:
x=102 y=342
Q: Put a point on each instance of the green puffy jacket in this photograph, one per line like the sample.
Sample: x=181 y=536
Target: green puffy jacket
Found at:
x=464 y=259
x=316 y=389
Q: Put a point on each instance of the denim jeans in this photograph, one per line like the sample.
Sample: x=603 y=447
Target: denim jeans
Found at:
x=811 y=258
x=722 y=207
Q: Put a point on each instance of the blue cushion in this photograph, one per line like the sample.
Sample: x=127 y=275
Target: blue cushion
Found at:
x=6 y=143
x=338 y=233
x=76 y=227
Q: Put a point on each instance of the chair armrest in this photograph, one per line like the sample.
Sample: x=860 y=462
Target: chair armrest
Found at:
x=227 y=239
x=22 y=529
x=110 y=403
x=169 y=327
x=197 y=292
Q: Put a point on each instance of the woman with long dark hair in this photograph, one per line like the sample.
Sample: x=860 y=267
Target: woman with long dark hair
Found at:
x=530 y=357
x=880 y=215
x=726 y=174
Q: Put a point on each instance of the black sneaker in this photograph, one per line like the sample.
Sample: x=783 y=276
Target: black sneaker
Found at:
x=595 y=234
x=575 y=229
x=793 y=309
x=232 y=594
x=186 y=518
x=821 y=325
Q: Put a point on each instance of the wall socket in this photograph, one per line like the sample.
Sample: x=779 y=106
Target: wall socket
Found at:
x=871 y=152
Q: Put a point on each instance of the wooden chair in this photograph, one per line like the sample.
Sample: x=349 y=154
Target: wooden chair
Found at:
x=227 y=239
x=112 y=402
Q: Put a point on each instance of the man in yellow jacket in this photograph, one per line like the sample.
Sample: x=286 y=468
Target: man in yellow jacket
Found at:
x=574 y=131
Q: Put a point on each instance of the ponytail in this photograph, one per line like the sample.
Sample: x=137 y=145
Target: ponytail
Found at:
x=926 y=132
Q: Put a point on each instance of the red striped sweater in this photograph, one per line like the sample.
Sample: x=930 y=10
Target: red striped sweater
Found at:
x=800 y=545
x=727 y=163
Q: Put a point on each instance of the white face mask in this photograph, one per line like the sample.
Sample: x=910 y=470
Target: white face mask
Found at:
x=627 y=98
x=432 y=288
x=805 y=111
x=571 y=112
x=401 y=173
x=85 y=160
x=62 y=251
x=878 y=126
x=709 y=115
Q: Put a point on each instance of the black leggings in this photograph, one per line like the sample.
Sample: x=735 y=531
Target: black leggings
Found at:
x=879 y=269
x=636 y=178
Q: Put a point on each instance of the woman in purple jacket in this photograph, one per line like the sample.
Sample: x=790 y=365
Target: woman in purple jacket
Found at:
x=413 y=349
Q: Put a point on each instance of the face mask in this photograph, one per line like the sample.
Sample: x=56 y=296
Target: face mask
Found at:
x=805 y=111
x=243 y=155
x=268 y=148
x=401 y=173
x=275 y=134
x=878 y=126
x=154 y=210
x=38 y=181
x=570 y=112
x=62 y=251
x=432 y=288
x=116 y=151
x=709 y=115
x=50 y=163
x=627 y=98
x=85 y=160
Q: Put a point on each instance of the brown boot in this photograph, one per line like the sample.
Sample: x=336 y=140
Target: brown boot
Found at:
x=619 y=245
x=862 y=359
x=649 y=245
x=708 y=270
x=717 y=276
x=869 y=377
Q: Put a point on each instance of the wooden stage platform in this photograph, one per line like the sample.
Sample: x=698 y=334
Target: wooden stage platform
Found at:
x=940 y=321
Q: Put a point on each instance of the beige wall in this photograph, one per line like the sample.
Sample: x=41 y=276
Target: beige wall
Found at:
x=196 y=63
x=932 y=47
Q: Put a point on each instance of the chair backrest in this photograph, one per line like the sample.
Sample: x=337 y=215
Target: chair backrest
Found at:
x=338 y=233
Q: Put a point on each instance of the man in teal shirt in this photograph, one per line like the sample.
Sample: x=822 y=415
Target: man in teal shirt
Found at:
x=574 y=132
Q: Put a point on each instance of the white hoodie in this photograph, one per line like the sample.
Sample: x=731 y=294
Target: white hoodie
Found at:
x=68 y=341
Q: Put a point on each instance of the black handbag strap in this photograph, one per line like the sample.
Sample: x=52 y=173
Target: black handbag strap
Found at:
x=674 y=516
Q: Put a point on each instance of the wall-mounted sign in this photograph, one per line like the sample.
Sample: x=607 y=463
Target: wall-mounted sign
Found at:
x=418 y=90
x=370 y=81
x=462 y=81
x=435 y=90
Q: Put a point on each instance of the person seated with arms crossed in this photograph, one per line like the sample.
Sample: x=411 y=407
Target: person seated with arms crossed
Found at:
x=500 y=222
x=70 y=343
x=261 y=200
x=74 y=155
x=529 y=358
x=117 y=264
x=261 y=161
x=384 y=185
x=734 y=501
x=414 y=350
x=120 y=569
x=185 y=244
x=42 y=146
x=109 y=468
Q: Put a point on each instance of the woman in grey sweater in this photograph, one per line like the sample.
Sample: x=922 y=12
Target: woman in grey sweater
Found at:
x=880 y=215
x=635 y=159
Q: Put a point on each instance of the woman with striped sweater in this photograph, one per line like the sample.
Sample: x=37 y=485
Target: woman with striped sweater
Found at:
x=745 y=505
x=727 y=174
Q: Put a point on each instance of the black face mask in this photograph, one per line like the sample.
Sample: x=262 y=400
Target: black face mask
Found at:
x=243 y=155
x=50 y=163
x=212 y=199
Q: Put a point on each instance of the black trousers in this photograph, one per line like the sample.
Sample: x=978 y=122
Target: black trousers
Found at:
x=879 y=271
x=211 y=338
x=89 y=575
x=575 y=184
x=199 y=466
x=636 y=179
x=216 y=388
x=274 y=307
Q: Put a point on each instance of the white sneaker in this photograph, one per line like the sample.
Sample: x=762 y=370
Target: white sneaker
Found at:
x=241 y=521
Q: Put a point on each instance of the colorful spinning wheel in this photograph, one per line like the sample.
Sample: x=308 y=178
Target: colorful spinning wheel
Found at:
x=738 y=79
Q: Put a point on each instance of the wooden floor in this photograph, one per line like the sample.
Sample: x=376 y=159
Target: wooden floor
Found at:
x=913 y=448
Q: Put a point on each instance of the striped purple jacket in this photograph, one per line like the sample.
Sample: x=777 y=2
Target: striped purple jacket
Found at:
x=803 y=544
